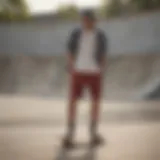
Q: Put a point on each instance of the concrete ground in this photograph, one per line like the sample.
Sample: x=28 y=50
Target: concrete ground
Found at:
x=32 y=129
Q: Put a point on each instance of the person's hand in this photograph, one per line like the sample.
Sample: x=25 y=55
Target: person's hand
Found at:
x=103 y=67
x=102 y=70
x=70 y=68
x=70 y=63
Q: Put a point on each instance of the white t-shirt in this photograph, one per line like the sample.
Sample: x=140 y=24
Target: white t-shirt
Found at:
x=85 y=61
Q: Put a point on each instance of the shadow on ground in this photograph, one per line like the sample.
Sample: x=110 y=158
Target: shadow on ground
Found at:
x=82 y=152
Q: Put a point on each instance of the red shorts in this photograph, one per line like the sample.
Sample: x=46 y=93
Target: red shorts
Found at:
x=80 y=81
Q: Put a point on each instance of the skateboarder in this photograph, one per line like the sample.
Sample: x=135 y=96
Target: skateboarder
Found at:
x=86 y=58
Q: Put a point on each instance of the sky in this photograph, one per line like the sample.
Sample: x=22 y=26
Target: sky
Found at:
x=42 y=6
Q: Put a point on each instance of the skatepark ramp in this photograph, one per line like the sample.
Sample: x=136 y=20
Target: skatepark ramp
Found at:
x=126 y=77
x=32 y=58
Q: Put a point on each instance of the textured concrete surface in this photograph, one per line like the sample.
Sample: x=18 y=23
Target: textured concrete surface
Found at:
x=124 y=142
x=18 y=111
x=126 y=77
x=32 y=129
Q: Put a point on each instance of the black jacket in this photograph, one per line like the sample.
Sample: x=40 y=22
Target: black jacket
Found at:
x=101 y=44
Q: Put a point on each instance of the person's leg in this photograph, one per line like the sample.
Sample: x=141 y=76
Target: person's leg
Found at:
x=71 y=118
x=95 y=88
x=75 y=90
x=95 y=110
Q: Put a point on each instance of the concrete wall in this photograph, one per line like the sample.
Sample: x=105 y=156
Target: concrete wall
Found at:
x=130 y=74
x=132 y=35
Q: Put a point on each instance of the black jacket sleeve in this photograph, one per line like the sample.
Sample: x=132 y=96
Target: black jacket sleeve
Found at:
x=103 y=43
x=72 y=41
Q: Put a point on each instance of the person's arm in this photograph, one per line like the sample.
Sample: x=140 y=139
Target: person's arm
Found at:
x=70 y=51
x=70 y=61
x=104 y=48
x=103 y=63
